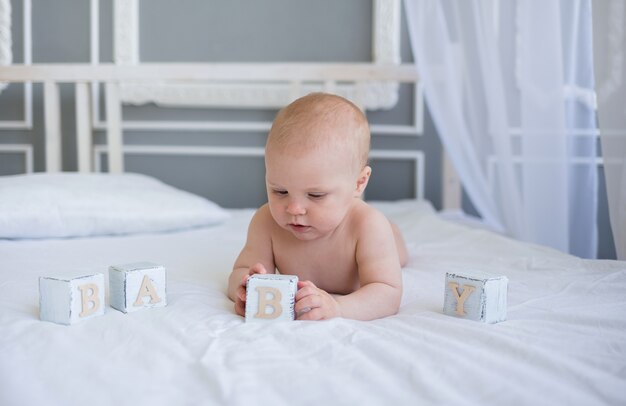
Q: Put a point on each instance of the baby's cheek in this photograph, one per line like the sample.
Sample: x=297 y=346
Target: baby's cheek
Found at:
x=331 y=220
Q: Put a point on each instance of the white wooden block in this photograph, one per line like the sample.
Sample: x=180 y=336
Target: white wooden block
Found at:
x=137 y=286
x=271 y=297
x=71 y=299
x=476 y=296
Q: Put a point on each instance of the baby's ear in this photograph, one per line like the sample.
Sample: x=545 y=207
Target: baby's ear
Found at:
x=362 y=180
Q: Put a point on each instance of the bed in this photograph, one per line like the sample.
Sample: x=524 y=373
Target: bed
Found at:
x=563 y=341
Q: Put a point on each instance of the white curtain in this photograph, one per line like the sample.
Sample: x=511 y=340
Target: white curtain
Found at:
x=609 y=52
x=6 y=55
x=510 y=88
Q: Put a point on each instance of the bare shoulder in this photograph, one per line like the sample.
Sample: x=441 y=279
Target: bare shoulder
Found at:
x=258 y=247
x=262 y=219
x=367 y=220
x=260 y=227
x=376 y=253
x=374 y=234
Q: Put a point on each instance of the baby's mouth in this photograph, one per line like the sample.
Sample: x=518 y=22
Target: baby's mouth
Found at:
x=299 y=228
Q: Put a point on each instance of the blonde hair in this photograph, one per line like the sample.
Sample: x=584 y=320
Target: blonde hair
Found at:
x=322 y=119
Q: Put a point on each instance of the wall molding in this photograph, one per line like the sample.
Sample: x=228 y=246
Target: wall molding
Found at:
x=370 y=95
x=415 y=128
x=417 y=157
x=6 y=58
x=25 y=149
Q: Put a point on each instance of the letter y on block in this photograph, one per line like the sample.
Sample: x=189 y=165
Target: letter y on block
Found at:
x=460 y=299
x=476 y=295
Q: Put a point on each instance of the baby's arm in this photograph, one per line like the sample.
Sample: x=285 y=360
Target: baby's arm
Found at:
x=403 y=254
x=380 y=274
x=255 y=257
x=380 y=279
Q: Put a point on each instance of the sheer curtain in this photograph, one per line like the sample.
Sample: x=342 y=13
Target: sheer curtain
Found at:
x=6 y=56
x=609 y=53
x=510 y=88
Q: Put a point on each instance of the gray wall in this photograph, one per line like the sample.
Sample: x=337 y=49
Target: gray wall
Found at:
x=214 y=31
x=200 y=31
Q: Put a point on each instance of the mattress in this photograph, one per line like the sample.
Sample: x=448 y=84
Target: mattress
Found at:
x=563 y=342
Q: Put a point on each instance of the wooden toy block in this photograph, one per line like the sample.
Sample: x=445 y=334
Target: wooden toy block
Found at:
x=137 y=286
x=476 y=296
x=71 y=299
x=271 y=297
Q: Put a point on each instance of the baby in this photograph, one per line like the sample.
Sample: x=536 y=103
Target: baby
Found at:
x=346 y=254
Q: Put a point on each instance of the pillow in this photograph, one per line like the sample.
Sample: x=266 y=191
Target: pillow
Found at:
x=79 y=205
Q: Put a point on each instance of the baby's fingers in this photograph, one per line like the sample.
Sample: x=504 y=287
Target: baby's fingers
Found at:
x=306 y=288
x=304 y=284
x=241 y=293
x=240 y=307
x=307 y=303
x=313 y=314
x=257 y=268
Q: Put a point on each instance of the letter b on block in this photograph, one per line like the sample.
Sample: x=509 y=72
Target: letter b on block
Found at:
x=137 y=286
x=68 y=300
x=270 y=297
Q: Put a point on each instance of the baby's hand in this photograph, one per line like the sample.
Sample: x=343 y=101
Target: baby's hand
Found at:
x=240 y=300
x=313 y=303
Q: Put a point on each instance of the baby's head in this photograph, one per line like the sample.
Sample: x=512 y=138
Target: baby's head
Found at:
x=322 y=122
x=316 y=164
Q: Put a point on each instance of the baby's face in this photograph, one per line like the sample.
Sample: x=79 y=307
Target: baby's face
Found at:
x=310 y=193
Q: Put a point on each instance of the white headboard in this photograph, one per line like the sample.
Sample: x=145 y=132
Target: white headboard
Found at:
x=351 y=79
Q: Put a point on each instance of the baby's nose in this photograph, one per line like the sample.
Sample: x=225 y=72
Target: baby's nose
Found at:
x=295 y=208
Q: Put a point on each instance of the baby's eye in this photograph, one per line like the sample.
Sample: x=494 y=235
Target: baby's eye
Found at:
x=317 y=195
x=280 y=192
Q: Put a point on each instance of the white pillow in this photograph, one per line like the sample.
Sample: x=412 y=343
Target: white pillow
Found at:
x=78 y=205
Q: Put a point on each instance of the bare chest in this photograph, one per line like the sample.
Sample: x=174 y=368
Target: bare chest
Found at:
x=330 y=265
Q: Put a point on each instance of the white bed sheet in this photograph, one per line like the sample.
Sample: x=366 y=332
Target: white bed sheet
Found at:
x=564 y=341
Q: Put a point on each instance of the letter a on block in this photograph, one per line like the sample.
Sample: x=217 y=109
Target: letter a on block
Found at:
x=89 y=294
x=460 y=299
x=146 y=289
x=274 y=302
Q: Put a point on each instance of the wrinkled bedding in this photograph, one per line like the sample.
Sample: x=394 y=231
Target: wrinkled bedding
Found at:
x=564 y=340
